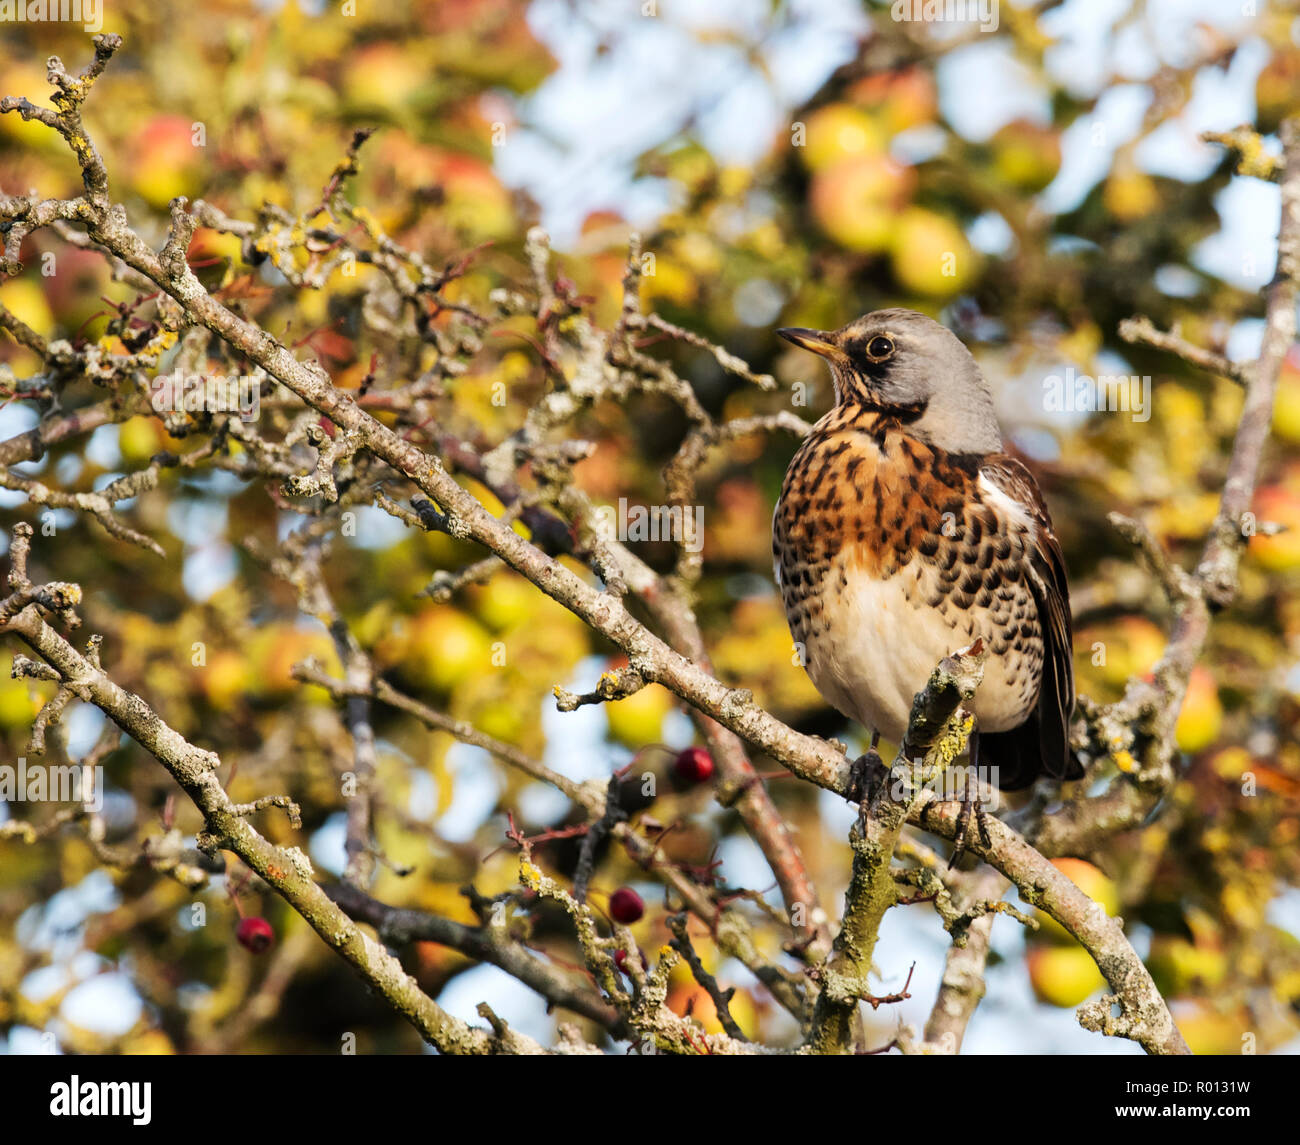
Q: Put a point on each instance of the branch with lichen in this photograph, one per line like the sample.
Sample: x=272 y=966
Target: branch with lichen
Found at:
x=491 y=942
x=1144 y=1017
x=99 y=504
x=937 y=733
x=961 y=988
x=644 y=1006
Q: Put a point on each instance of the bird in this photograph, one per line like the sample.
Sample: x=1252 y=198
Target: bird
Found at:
x=904 y=532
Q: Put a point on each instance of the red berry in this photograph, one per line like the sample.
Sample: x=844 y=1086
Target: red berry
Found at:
x=694 y=765
x=255 y=933
x=625 y=906
x=620 y=960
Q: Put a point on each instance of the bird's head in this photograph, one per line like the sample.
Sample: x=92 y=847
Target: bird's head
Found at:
x=902 y=363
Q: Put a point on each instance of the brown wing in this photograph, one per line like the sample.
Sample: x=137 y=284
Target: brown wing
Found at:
x=1048 y=729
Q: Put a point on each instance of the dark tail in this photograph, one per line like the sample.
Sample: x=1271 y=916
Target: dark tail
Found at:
x=1027 y=752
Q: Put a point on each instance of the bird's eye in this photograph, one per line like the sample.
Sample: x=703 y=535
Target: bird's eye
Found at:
x=879 y=348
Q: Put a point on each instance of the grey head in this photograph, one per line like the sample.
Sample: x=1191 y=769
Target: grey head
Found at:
x=902 y=363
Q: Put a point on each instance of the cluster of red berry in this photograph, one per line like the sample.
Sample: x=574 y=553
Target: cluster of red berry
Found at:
x=693 y=765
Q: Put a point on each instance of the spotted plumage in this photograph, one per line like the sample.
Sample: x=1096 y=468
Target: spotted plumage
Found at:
x=903 y=533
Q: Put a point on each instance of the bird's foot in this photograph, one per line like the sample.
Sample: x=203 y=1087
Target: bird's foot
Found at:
x=867 y=778
x=972 y=812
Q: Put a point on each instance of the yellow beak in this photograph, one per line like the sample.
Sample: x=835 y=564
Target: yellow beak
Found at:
x=818 y=341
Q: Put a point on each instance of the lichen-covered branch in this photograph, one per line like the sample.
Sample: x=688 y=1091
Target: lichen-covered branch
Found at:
x=936 y=735
x=1143 y=1017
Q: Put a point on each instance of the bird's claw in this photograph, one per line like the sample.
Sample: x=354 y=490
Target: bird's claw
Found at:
x=972 y=810
x=867 y=776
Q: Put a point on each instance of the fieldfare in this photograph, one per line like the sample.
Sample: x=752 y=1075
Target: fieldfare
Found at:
x=904 y=533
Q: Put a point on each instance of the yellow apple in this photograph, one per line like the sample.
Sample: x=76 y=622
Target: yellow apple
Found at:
x=856 y=203
x=1131 y=646
x=224 y=679
x=930 y=254
x=1130 y=195
x=1063 y=975
x=639 y=719
x=166 y=161
x=1179 y=966
x=275 y=648
x=25 y=300
x=19 y=703
x=148 y=1043
x=214 y=255
x=694 y=999
x=1093 y=883
x=838 y=132
x=443 y=647
x=140 y=438
x=1201 y=717
x=900 y=99
x=1207 y=1031
x=1286 y=408
x=1026 y=155
x=505 y=719
x=383 y=78
x=504 y=602
x=1280 y=505
x=28 y=80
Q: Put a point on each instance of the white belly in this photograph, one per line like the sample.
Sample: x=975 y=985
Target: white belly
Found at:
x=879 y=640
